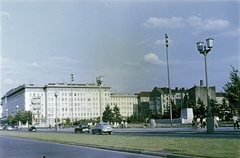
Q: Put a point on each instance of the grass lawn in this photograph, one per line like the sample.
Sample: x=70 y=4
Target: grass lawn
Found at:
x=205 y=147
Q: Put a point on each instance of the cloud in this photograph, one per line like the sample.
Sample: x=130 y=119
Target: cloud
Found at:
x=231 y=33
x=5 y=14
x=145 y=41
x=9 y=81
x=162 y=42
x=132 y=63
x=152 y=59
x=200 y=25
x=34 y=64
x=173 y=22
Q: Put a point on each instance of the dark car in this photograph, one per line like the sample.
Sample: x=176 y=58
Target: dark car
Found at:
x=82 y=128
x=32 y=129
x=102 y=127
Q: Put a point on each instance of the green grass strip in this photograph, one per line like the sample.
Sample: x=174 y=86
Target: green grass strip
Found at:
x=204 y=147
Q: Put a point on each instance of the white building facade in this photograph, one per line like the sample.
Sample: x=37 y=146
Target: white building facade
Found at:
x=74 y=101
x=125 y=102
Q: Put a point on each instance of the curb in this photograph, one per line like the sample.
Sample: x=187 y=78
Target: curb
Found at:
x=167 y=155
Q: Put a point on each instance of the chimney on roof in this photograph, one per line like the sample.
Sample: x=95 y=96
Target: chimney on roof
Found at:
x=201 y=83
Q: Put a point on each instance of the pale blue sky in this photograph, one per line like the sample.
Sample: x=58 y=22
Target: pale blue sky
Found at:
x=46 y=41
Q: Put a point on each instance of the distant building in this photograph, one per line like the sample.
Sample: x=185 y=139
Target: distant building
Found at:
x=159 y=99
x=74 y=101
x=220 y=97
x=143 y=103
x=125 y=102
x=200 y=92
x=0 y=112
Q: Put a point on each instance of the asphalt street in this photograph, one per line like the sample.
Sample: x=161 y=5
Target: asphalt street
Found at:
x=221 y=132
x=23 y=148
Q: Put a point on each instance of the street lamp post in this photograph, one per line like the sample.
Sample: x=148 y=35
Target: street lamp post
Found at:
x=99 y=82
x=169 y=87
x=16 y=113
x=6 y=113
x=203 y=50
x=72 y=79
x=56 y=95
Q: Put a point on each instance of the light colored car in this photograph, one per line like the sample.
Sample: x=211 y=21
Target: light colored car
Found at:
x=1 y=128
x=102 y=127
x=9 y=128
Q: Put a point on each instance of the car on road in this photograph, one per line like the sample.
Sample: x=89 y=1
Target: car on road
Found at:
x=32 y=129
x=82 y=128
x=8 y=128
x=102 y=127
x=1 y=128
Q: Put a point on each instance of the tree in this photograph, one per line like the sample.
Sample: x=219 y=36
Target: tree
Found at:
x=108 y=114
x=232 y=91
x=19 y=117
x=27 y=117
x=116 y=114
x=214 y=107
x=68 y=120
x=10 y=120
x=224 y=109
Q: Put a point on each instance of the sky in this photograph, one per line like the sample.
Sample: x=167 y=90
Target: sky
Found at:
x=44 y=41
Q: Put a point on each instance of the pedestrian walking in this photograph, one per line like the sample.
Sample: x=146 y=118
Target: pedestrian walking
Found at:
x=235 y=122
x=204 y=123
x=125 y=124
x=218 y=121
x=215 y=122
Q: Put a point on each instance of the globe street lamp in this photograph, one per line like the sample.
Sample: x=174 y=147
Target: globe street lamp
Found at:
x=203 y=50
x=72 y=79
x=169 y=87
x=56 y=95
x=99 y=82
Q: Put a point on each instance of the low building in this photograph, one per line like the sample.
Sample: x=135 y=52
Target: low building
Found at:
x=125 y=102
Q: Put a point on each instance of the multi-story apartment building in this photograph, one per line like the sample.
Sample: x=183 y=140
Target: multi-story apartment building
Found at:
x=0 y=112
x=74 y=101
x=143 y=103
x=159 y=99
x=125 y=102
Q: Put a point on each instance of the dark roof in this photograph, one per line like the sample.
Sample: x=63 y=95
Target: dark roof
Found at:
x=144 y=94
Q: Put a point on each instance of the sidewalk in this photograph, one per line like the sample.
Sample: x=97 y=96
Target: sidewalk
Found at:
x=175 y=129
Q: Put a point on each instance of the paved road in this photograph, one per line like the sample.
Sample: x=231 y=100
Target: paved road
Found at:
x=221 y=132
x=22 y=148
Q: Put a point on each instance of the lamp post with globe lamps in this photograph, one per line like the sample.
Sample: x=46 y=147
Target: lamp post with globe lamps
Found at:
x=203 y=50
x=56 y=95
x=99 y=82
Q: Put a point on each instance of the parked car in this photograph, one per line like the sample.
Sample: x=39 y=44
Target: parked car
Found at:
x=82 y=128
x=1 y=128
x=32 y=129
x=8 y=128
x=102 y=127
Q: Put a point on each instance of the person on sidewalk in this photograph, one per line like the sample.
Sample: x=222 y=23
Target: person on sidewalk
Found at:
x=235 y=122
x=125 y=124
x=122 y=124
